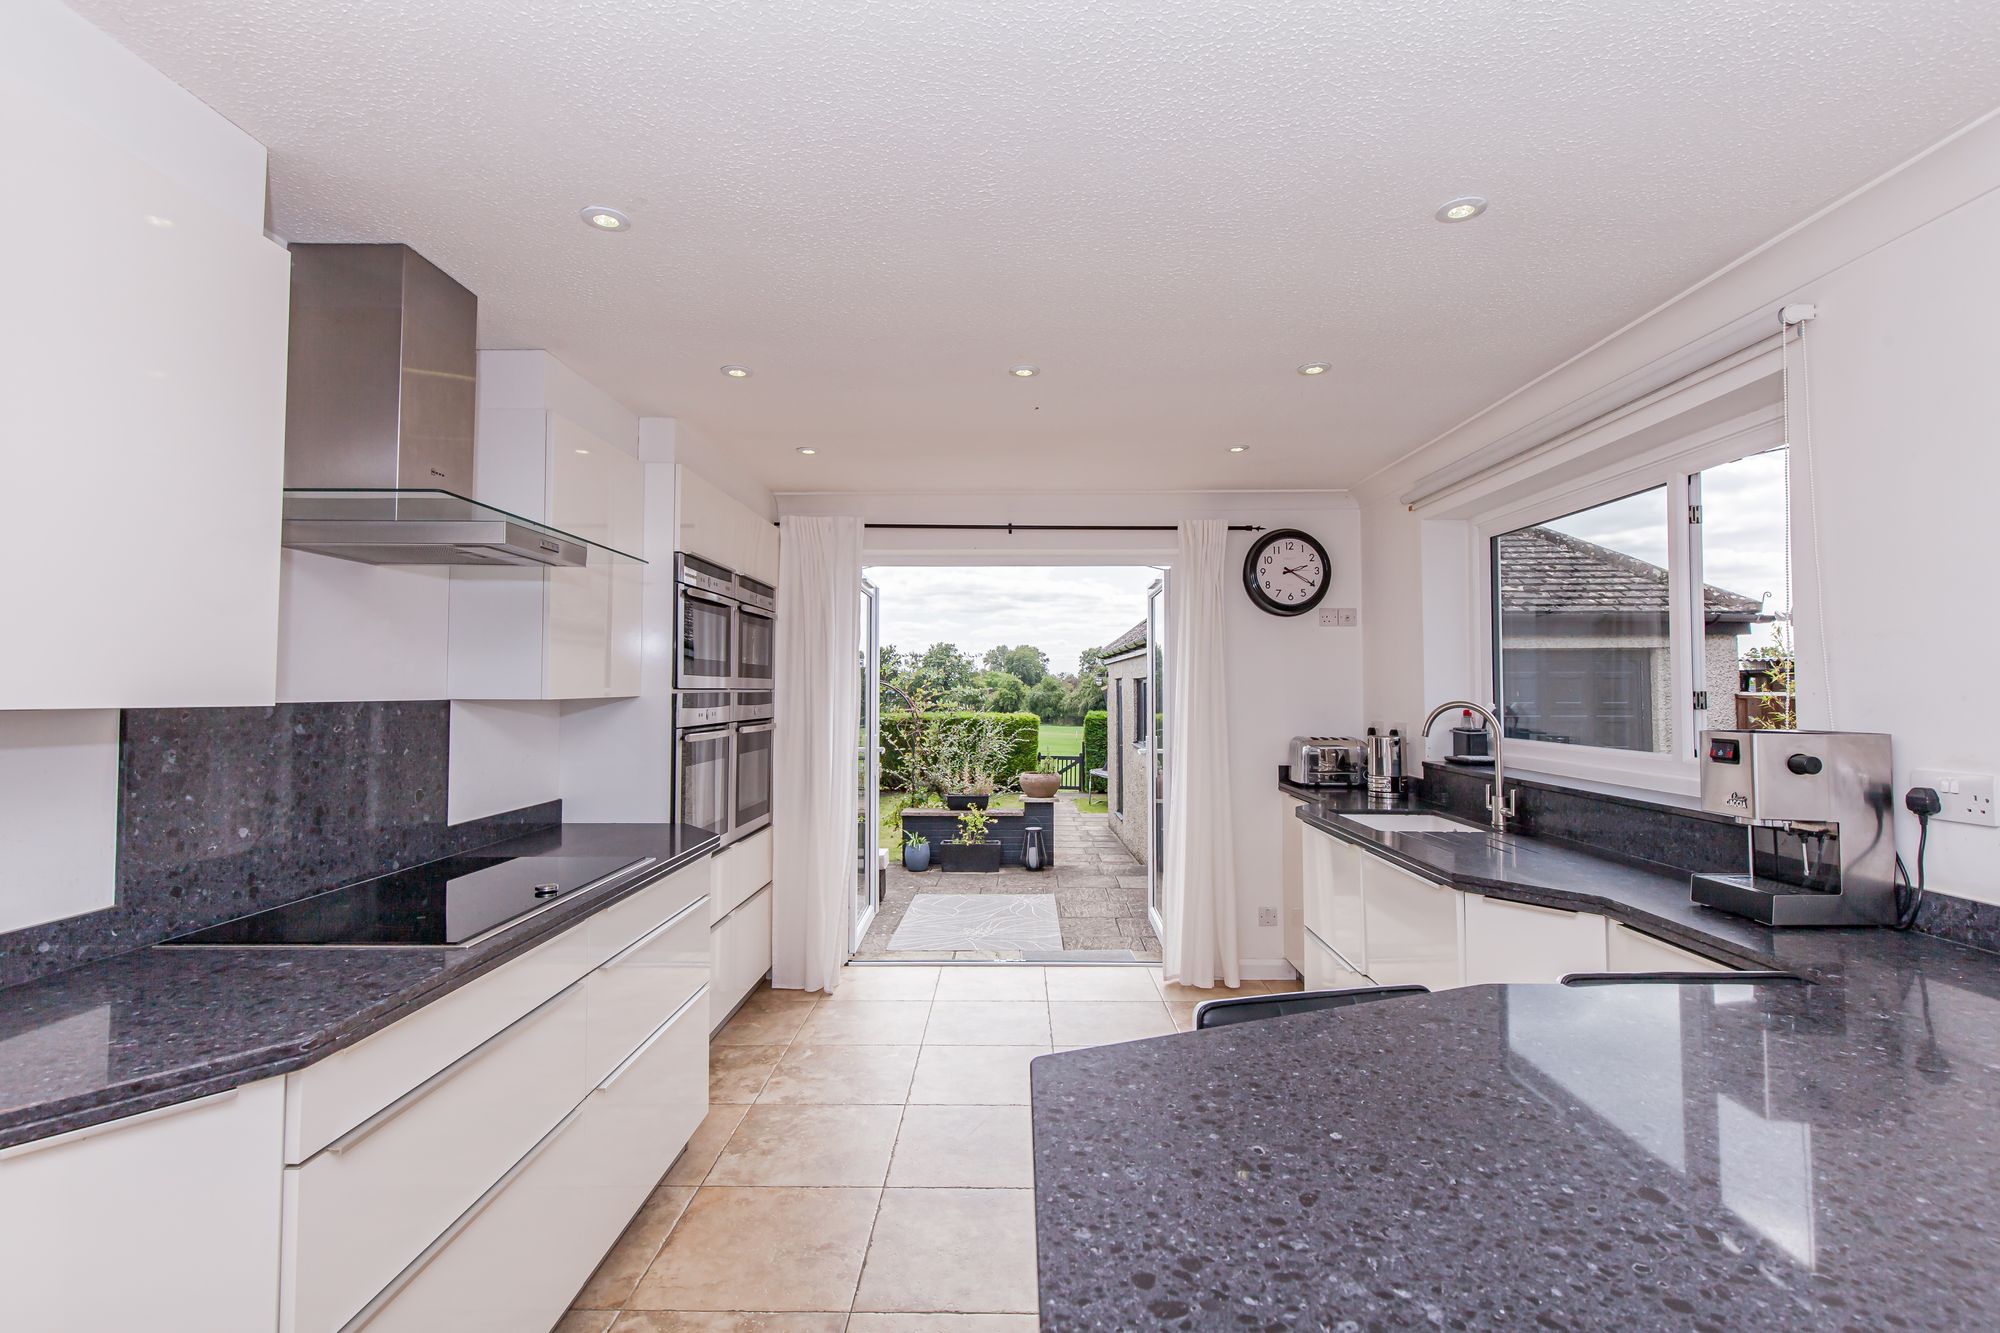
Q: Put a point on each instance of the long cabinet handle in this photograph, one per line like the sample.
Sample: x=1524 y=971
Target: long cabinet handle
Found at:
x=612 y=1078
x=33 y=1146
x=654 y=933
x=355 y=1137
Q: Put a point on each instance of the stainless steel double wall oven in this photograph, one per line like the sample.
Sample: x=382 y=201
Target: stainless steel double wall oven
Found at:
x=723 y=673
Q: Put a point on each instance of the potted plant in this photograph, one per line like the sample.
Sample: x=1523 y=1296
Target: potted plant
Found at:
x=972 y=850
x=1040 y=786
x=970 y=756
x=916 y=852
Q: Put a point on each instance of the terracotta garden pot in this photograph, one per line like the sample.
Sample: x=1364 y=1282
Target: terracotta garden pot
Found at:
x=1041 y=786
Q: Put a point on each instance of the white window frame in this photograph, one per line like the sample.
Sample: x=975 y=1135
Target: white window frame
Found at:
x=1674 y=465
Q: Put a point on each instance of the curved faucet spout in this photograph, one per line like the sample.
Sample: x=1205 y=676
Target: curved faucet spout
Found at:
x=1499 y=802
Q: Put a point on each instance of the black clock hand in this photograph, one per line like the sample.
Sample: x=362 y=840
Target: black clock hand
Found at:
x=1295 y=574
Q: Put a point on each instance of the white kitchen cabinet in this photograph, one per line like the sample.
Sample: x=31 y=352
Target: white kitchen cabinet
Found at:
x=740 y=954
x=141 y=432
x=1629 y=950
x=741 y=869
x=1414 y=928
x=1291 y=871
x=717 y=526
x=1326 y=970
x=570 y=633
x=166 y=1221
x=1333 y=902
x=1508 y=942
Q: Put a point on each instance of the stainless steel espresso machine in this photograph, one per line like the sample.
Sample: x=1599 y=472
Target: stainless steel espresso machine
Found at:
x=1821 y=841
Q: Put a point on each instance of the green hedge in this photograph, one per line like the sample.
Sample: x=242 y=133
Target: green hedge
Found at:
x=1095 y=752
x=1025 y=727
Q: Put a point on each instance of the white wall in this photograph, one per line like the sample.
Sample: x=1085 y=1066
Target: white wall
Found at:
x=1903 y=397
x=1287 y=676
x=58 y=837
x=503 y=756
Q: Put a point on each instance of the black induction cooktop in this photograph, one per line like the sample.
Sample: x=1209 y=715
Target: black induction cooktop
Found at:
x=453 y=901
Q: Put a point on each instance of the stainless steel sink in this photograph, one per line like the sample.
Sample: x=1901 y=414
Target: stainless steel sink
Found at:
x=1413 y=823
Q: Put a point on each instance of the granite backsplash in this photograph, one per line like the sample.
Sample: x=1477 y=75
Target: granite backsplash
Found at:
x=223 y=811
x=1662 y=836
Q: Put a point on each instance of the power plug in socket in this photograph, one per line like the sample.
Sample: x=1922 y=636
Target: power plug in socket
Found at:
x=1967 y=797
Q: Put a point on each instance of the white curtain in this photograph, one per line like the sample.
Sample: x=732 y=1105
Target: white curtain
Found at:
x=817 y=711
x=1199 y=891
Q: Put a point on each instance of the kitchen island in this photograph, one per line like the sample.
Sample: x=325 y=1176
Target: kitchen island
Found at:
x=1811 y=1154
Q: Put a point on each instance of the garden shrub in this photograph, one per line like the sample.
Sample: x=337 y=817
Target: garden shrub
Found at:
x=1025 y=730
x=1095 y=753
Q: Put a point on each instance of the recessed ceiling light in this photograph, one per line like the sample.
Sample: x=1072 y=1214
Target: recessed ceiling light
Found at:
x=1314 y=368
x=1460 y=209
x=737 y=372
x=155 y=220
x=804 y=450
x=604 y=219
x=1024 y=371
x=1239 y=448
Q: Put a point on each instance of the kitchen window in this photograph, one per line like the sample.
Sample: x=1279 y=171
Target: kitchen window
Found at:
x=1629 y=614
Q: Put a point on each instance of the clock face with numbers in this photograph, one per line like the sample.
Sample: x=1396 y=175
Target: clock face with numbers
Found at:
x=1286 y=572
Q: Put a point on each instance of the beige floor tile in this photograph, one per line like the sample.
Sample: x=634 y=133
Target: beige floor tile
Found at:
x=987 y=1023
x=809 y=1145
x=964 y=1147
x=1101 y=1022
x=765 y=998
x=1182 y=1012
x=734 y=1321
x=960 y=984
x=842 y=1076
x=866 y=1023
x=1103 y=983
x=736 y=1074
x=773 y=1025
x=1173 y=990
x=585 y=1321
x=951 y=1251
x=611 y=1285
x=705 y=1145
x=762 y=1249
x=885 y=983
x=973 y=1075
x=942 y=1323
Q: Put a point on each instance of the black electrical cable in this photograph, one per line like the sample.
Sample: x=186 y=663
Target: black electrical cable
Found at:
x=1906 y=914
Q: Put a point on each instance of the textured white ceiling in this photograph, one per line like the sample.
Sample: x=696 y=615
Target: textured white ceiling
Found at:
x=880 y=205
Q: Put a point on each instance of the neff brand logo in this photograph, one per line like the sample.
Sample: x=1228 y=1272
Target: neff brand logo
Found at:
x=436 y=473
x=1739 y=801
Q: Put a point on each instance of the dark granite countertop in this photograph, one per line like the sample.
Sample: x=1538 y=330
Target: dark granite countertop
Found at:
x=1500 y=1157
x=163 y=1025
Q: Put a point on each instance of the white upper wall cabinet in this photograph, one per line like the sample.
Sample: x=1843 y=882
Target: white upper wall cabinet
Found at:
x=718 y=527
x=142 y=429
x=555 y=633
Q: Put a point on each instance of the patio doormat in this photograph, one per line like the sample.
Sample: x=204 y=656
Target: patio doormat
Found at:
x=995 y=922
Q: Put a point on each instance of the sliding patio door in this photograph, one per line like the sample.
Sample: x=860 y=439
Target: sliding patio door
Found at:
x=867 y=894
x=1157 y=730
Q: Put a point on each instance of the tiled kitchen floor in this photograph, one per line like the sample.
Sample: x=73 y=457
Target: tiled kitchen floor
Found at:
x=865 y=1164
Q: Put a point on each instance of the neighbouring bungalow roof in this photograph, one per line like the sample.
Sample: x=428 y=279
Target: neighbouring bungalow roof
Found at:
x=1548 y=572
x=1131 y=641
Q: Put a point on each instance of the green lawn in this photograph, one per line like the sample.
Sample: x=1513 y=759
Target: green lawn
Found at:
x=1061 y=740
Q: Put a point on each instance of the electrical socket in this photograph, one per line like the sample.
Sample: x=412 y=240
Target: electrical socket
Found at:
x=1967 y=797
x=1338 y=617
x=1267 y=916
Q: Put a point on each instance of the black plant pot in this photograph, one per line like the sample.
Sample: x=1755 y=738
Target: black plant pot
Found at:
x=965 y=801
x=973 y=857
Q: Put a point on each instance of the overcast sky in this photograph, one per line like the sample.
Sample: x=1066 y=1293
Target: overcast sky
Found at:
x=1061 y=610
x=1742 y=528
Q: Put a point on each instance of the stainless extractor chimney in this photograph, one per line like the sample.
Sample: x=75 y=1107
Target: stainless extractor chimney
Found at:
x=378 y=418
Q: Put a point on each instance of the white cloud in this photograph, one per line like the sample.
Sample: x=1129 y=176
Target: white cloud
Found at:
x=1061 y=610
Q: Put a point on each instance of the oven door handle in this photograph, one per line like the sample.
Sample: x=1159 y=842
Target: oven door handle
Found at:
x=755 y=726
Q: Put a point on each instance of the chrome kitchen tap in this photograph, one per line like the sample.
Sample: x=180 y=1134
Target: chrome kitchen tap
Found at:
x=1500 y=810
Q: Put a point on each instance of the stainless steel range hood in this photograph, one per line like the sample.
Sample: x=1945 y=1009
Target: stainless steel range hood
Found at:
x=379 y=416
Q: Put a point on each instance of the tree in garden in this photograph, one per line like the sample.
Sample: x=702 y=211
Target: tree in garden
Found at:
x=1046 y=700
x=1026 y=662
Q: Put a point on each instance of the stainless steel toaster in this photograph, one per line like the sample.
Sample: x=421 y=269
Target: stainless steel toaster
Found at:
x=1328 y=761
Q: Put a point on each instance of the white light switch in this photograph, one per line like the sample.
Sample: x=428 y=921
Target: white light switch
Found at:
x=1967 y=797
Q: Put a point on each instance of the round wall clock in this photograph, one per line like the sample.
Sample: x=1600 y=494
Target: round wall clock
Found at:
x=1286 y=572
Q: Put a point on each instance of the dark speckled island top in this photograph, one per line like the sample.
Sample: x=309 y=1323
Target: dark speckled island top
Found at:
x=1822 y=1156
x=159 y=1026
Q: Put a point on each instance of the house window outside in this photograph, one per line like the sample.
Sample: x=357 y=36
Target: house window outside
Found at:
x=1118 y=744
x=1141 y=715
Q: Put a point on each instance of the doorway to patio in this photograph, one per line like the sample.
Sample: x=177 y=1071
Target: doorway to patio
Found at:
x=997 y=821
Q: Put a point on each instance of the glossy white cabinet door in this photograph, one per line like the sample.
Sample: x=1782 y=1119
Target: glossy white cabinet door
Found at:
x=1414 y=928
x=1333 y=902
x=142 y=430
x=1509 y=942
x=740 y=870
x=1628 y=950
x=1324 y=969
x=165 y=1222
x=1291 y=871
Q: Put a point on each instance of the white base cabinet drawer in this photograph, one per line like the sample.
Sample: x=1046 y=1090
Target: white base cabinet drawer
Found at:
x=1325 y=970
x=1509 y=942
x=655 y=975
x=1629 y=950
x=1332 y=872
x=525 y=1249
x=357 y=1213
x=740 y=870
x=1414 y=928
x=740 y=953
